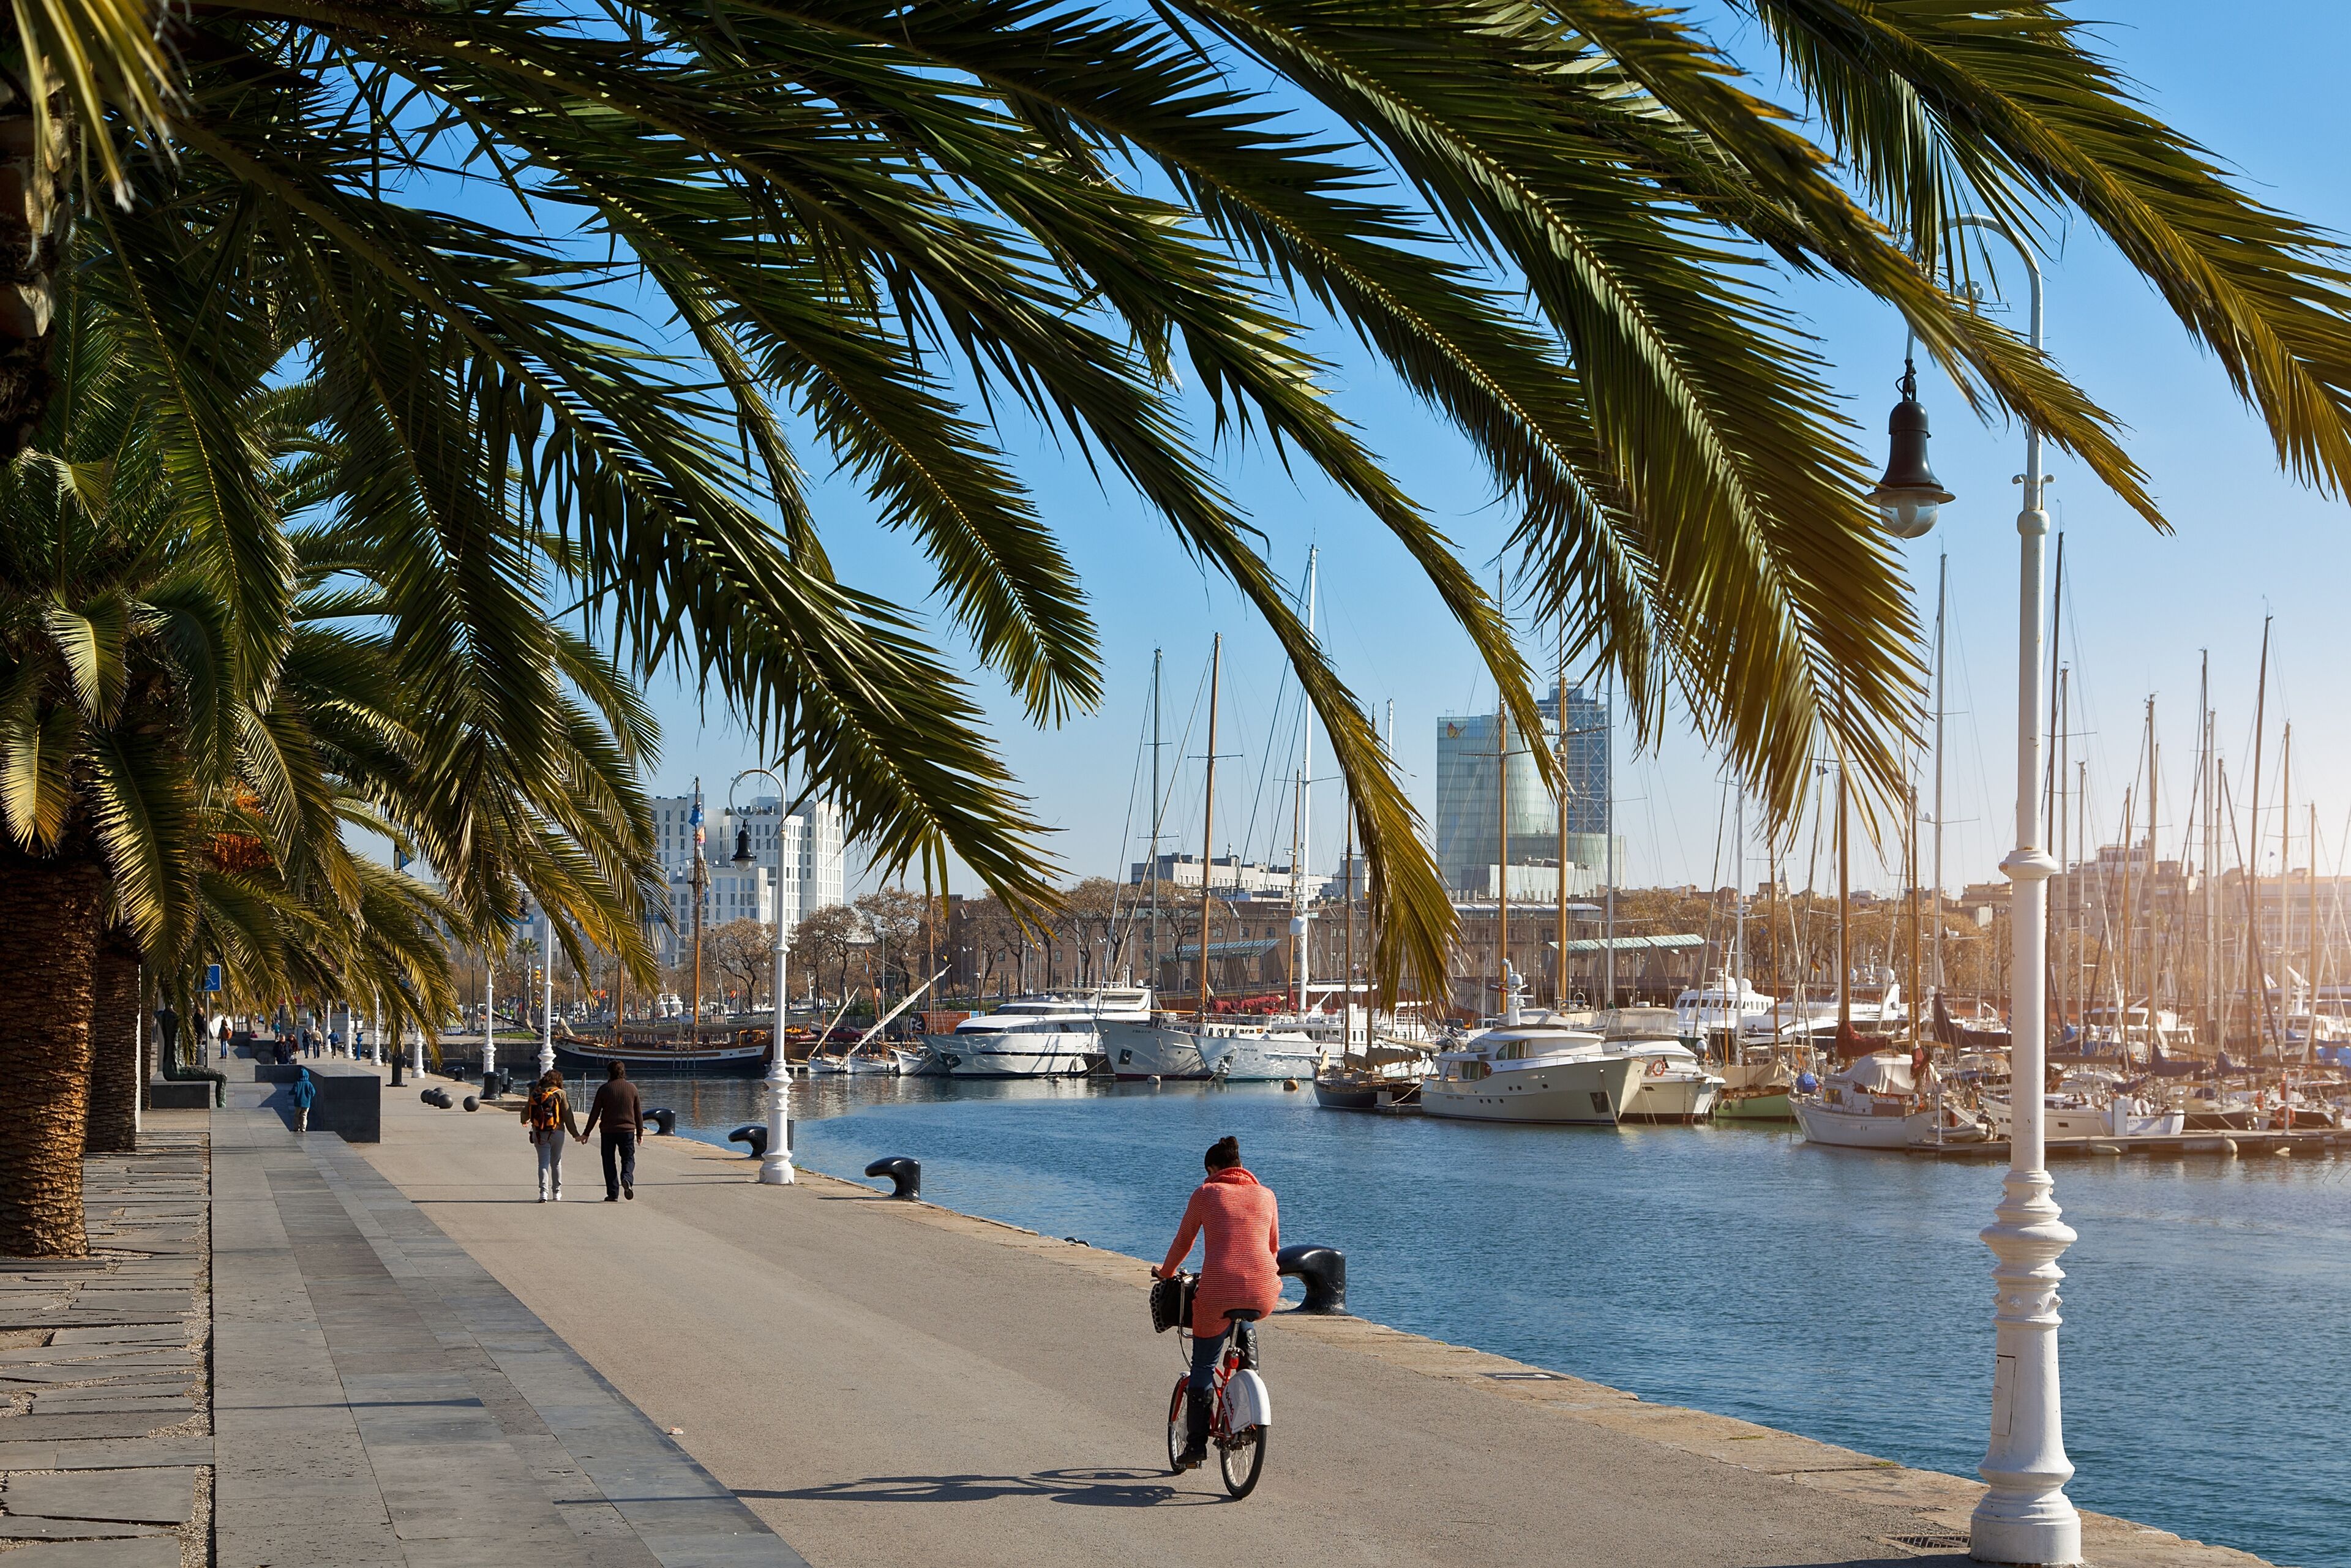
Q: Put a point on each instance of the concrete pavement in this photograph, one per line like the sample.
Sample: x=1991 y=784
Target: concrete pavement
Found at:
x=889 y=1383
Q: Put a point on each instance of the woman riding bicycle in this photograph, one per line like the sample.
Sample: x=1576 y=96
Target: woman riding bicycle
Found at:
x=1241 y=1232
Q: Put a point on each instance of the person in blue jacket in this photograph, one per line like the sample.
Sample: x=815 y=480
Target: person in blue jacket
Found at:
x=301 y=1093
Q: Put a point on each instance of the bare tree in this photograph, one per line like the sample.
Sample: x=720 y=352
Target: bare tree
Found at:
x=830 y=936
x=742 y=951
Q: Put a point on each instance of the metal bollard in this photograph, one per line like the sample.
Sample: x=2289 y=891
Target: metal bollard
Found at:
x=473 y=1103
x=437 y=1096
x=754 y=1133
x=906 y=1175
x=1324 y=1270
x=663 y=1119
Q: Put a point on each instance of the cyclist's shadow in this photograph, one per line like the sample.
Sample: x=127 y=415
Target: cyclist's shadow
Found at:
x=1082 y=1488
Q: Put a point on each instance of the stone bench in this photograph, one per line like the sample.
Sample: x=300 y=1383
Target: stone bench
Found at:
x=349 y=1101
x=182 y=1094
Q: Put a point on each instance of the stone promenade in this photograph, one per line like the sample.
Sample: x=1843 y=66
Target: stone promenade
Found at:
x=373 y=1397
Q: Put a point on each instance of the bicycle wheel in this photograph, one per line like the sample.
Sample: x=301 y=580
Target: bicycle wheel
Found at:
x=1242 y=1458
x=1175 y=1424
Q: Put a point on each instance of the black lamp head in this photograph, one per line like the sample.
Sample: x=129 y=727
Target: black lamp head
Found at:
x=742 y=846
x=1909 y=496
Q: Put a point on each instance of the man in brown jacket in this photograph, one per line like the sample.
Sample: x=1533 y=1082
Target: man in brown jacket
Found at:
x=624 y=1116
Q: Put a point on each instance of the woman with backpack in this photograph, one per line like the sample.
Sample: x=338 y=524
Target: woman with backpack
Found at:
x=549 y=1120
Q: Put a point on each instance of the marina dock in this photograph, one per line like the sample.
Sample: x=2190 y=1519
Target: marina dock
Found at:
x=2318 y=1141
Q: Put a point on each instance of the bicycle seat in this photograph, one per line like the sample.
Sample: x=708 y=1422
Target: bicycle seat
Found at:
x=1244 y=1314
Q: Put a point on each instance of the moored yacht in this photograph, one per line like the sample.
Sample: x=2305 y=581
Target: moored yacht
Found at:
x=1262 y=1051
x=1872 y=1103
x=1533 y=1067
x=1037 y=1036
x=1674 y=1085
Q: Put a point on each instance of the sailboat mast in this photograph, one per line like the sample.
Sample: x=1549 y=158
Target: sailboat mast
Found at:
x=1844 y=938
x=1608 y=835
x=1347 y=1014
x=1208 y=819
x=2068 y=953
x=1912 y=845
x=1301 y=833
x=2310 y=1033
x=2286 y=863
x=1502 y=833
x=2256 y=1000
x=1559 y=939
x=2123 y=945
x=2154 y=954
x=1942 y=600
x=1158 y=658
x=2206 y=782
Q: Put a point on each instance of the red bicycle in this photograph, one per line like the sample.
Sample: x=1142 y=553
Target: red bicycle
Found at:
x=1240 y=1409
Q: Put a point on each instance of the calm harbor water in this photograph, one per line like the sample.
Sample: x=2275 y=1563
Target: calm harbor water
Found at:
x=1840 y=1295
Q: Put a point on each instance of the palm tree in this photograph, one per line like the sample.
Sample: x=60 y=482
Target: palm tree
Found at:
x=1559 y=225
x=175 y=781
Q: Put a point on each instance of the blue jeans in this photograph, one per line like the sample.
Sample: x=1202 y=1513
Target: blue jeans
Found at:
x=1204 y=1352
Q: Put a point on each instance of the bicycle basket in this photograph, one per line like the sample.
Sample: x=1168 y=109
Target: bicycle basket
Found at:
x=1171 y=1301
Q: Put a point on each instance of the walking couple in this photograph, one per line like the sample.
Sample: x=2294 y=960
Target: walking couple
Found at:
x=550 y=1121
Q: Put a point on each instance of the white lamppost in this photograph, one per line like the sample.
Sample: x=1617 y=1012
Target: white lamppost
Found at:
x=2025 y=1517
x=776 y=1164
x=547 y=999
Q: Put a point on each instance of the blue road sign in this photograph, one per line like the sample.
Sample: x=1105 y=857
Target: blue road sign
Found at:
x=212 y=977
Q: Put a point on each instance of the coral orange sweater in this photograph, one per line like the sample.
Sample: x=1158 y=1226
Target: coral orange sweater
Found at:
x=1243 y=1231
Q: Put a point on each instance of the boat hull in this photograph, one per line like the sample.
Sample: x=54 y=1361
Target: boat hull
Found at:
x=1389 y=1095
x=1136 y=1052
x=1767 y=1107
x=1059 y=1053
x=1846 y=1130
x=1590 y=1093
x=652 y=1061
x=2093 y=1121
x=1246 y=1060
x=1674 y=1097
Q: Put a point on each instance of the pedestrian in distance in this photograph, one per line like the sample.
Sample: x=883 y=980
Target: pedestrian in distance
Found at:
x=301 y=1093
x=550 y=1121
x=622 y=1113
x=1239 y=1226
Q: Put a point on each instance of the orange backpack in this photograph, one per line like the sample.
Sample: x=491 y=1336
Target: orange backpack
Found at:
x=546 y=1109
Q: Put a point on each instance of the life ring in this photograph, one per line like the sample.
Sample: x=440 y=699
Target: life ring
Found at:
x=1657 y=1067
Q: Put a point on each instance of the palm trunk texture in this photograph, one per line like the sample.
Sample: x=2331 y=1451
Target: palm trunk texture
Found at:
x=117 y=1068
x=47 y=948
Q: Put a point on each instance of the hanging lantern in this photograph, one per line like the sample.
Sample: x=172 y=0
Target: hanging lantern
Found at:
x=1909 y=496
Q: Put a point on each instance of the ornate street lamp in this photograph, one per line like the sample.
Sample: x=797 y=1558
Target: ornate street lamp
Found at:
x=776 y=1164
x=2025 y=1517
x=1908 y=498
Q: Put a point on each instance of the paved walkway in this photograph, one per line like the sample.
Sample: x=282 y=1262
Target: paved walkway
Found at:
x=890 y=1384
x=374 y=1397
x=105 y=1435
x=381 y=1399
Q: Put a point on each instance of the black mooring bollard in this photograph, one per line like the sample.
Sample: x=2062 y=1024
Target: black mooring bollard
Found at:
x=906 y=1175
x=663 y=1119
x=1324 y=1270
x=753 y=1134
x=437 y=1096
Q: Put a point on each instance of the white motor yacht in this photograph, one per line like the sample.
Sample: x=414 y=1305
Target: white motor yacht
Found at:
x=1161 y=1046
x=1037 y=1036
x=2075 y=1112
x=1532 y=1069
x=1728 y=1005
x=1254 y=1052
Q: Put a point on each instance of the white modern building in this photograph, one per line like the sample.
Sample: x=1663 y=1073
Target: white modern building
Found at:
x=815 y=878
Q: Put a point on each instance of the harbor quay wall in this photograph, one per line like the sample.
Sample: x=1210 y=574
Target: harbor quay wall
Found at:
x=887 y=1383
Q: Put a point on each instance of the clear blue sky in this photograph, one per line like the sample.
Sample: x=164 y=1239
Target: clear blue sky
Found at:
x=2268 y=100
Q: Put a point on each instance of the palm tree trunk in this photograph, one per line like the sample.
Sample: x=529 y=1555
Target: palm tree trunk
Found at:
x=32 y=190
x=117 y=1065
x=48 y=949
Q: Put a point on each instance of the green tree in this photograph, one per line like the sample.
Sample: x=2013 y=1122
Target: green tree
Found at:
x=1560 y=225
x=175 y=779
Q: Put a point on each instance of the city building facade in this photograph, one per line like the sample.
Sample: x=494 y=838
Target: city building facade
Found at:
x=1466 y=823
